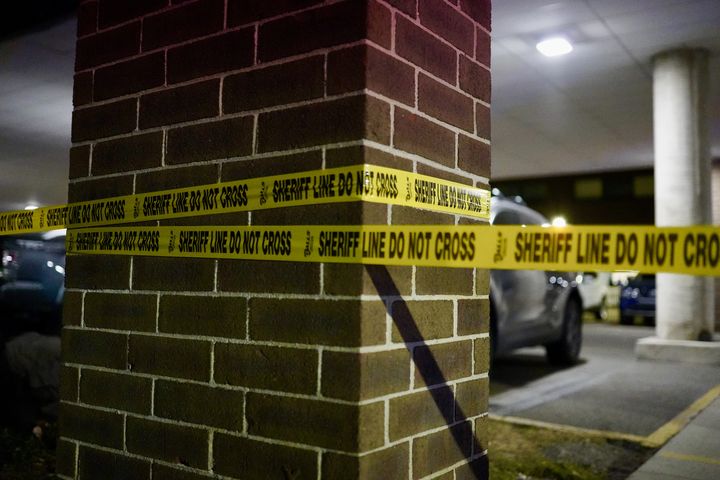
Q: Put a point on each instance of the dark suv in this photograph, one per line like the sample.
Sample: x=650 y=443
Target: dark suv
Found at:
x=533 y=307
x=32 y=278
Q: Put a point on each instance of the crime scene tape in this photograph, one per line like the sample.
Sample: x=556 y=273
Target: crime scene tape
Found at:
x=367 y=183
x=689 y=250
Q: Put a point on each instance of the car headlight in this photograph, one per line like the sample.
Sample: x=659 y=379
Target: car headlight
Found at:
x=630 y=293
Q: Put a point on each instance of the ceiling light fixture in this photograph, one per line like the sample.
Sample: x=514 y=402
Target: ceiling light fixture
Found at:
x=554 y=47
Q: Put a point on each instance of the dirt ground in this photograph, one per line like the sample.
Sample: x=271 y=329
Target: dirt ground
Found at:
x=516 y=452
x=519 y=452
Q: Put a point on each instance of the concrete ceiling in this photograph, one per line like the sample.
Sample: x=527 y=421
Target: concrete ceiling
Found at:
x=590 y=110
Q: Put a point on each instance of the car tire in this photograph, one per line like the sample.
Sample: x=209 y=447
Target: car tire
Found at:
x=566 y=351
x=649 y=321
x=626 y=319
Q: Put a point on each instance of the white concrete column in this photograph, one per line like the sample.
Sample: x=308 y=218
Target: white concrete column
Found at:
x=685 y=304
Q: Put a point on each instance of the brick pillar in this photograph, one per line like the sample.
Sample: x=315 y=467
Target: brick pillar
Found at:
x=186 y=369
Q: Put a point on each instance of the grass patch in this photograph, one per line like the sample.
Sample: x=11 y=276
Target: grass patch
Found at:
x=23 y=456
x=525 y=452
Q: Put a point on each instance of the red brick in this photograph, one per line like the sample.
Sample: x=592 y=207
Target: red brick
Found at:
x=163 y=472
x=127 y=154
x=72 y=308
x=91 y=426
x=347 y=323
x=365 y=67
x=131 y=76
x=448 y=23
x=473 y=316
x=210 y=316
x=203 y=405
x=444 y=174
x=391 y=463
x=446 y=104
x=347 y=213
x=241 y=12
x=210 y=141
x=104 y=120
x=128 y=393
x=472 y=399
x=92 y=189
x=349 y=279
x=477 y=469
x=66 y=458
x=327 y=26
x=482 y=355
x=99 y=349
x=261 y=460
x=479 y=10
x=117 y=311
x=176 y=177
x=425 y=51
x=83 y=89
x=267 y=368
x=275 y=165
x=482 y=120
x=193 y=20
x=473 y=156
x=442 y=449
x=474 y=79
x=113 y=12
x=279 y=277
x=181 y=104
x=419 y=321
x=444 y=280
x=217 y=54
x=359 y=154
x=333 y=121
x=417 y=135
x=171 y=443
x=87 y=18
x=170 y=357
x=107 y=46
x=93 y=273
x=79 y=162
x=442 y=363
x=379 y=28
x=276 y=85
x=361 y=376
x=418 y=412
x=482 y=47
x=69 y=383
x=111 y=466
x=406 y=6
x=414 y=216
x=316 y=422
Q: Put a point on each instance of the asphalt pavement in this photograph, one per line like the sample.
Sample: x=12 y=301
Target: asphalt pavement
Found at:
x=609 y=390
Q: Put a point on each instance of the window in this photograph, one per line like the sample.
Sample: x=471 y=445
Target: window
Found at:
x=589 y=188
x=644 y=186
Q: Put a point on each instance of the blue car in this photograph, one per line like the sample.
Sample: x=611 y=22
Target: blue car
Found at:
x=637 y=299
x=32 y=279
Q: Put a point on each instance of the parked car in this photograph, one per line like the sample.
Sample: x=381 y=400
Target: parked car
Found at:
x=32 y=278
x=594 y=293
x=533 y=307
x=637 y=298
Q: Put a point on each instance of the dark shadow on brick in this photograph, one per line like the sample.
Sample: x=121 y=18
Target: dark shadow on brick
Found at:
x=429 y=368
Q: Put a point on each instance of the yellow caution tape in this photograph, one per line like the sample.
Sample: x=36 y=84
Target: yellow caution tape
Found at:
x=690 y=250
x=367 y=183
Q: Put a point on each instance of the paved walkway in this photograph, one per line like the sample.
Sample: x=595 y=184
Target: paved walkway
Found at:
x=694 y=453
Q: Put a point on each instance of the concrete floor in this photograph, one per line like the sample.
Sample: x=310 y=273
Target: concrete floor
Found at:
x=609 y=390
